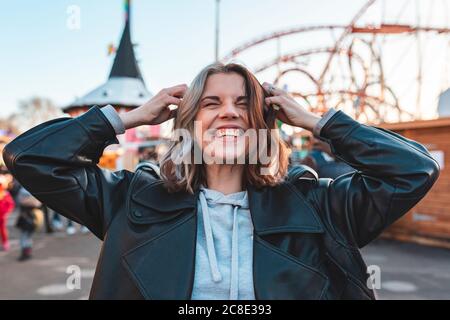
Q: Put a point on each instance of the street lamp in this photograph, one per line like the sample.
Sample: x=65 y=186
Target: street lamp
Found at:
x=217 y=30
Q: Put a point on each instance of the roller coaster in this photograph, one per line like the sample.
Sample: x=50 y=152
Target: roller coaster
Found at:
x=361 y=70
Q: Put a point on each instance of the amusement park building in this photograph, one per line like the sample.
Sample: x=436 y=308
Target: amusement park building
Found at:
x=124 y=89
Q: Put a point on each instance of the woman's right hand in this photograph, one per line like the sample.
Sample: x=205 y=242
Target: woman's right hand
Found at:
x=156 y=110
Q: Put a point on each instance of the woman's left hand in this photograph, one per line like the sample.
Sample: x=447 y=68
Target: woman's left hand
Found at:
x=290 y=111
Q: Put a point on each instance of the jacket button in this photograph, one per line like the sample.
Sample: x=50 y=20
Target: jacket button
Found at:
x=137 y=214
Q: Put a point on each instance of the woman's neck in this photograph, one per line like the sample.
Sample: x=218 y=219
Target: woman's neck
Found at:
x=224 y=178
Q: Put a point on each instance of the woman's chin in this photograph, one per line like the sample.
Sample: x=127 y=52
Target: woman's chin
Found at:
x=226 y=151
x=227 y=156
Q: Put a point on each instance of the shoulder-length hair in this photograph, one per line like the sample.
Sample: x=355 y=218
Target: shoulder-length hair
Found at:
x=188 y=176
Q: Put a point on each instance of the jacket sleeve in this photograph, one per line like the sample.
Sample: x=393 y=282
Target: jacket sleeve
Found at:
x=57 y=162
x=392 y=175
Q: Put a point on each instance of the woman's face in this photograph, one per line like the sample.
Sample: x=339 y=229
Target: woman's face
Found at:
x=223 y=119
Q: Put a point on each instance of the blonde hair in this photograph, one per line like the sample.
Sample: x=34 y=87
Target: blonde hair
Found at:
x=187 y=175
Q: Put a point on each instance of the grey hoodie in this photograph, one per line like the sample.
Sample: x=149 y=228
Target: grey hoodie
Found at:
x=224 y=252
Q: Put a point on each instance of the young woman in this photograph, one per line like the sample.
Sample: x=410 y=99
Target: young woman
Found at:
x=225 y=229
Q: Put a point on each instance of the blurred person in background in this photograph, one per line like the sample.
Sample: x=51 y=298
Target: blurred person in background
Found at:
x=321 y=159
x=6 y=207
x=29 y=220
x=57 y=224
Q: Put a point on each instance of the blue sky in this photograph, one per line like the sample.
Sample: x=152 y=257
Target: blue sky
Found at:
x=41 y=56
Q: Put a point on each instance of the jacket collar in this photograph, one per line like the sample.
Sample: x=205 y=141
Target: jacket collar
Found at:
x=273 y=209
x=282 y=209
x=151 y=203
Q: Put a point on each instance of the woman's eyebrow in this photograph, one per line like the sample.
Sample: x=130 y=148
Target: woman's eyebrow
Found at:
x=211 y=97
x=242 y=98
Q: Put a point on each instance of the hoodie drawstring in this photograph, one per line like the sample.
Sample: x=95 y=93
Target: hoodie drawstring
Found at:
x=234 y=286
x=217 y=276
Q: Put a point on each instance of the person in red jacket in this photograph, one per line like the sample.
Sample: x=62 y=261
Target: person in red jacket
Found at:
x=6 y=207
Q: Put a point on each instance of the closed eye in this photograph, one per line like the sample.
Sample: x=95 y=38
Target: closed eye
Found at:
x=242 y=105
x=211 y=104
x=242 y=101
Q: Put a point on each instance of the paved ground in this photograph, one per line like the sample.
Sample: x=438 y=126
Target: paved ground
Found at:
x=47 y=274
x=407 y=271
x=410 y=271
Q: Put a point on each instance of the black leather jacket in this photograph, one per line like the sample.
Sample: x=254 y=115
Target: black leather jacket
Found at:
x=307 y=231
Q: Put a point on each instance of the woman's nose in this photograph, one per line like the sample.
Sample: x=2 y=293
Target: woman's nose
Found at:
x=229 y=110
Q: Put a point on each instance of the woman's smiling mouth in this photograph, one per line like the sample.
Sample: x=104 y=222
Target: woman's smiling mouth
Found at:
x=229 y=132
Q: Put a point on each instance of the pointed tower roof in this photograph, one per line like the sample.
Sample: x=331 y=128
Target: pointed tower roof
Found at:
x=125 y=64
x=125 y=86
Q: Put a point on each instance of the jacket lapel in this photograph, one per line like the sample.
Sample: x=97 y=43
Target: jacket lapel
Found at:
x=277 y=274
x=162 y=267
x=282 y=209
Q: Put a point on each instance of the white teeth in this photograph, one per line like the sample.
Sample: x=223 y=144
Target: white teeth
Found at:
x=233 y=132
